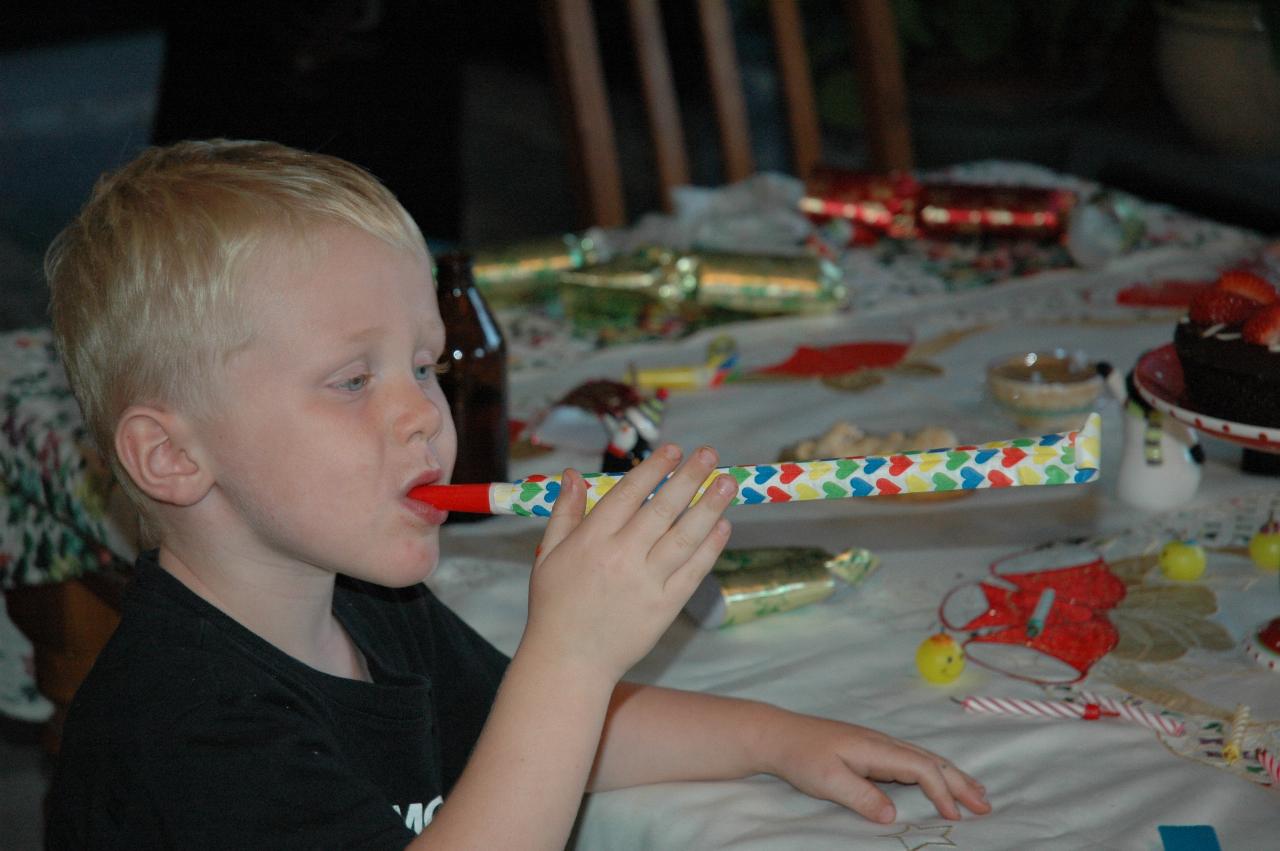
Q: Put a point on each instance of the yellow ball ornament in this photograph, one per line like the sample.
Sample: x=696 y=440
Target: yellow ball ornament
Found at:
x=939 y=658
x=1182 y=561
x=1264 y=547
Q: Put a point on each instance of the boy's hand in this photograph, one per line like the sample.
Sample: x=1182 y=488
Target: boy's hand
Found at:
x=605 y=586
x=836 y=762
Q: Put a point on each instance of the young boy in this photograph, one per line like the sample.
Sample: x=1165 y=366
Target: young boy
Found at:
x=253 y=336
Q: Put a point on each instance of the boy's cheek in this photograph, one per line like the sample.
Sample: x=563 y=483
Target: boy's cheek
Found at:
x=446 y=442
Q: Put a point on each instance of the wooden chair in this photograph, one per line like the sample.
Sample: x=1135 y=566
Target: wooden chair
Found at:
x=68 y=623
x=576 y=59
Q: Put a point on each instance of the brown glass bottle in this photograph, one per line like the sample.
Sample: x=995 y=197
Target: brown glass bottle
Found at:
x=476 y=381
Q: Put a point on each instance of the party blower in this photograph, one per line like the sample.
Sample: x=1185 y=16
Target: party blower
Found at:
x=1069 y=457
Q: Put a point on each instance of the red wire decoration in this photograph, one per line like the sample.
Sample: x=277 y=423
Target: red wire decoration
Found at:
x=1076 y=630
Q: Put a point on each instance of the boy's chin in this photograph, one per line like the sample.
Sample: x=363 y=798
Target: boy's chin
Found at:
x=406 y=572
x=404 y=581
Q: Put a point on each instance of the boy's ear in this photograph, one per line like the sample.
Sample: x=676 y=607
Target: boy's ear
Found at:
x=156 y=448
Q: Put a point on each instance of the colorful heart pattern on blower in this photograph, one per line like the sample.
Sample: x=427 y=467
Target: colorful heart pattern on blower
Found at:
x=1071 y=457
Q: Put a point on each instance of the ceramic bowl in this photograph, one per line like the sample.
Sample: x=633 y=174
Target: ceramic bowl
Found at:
x=1052 y=390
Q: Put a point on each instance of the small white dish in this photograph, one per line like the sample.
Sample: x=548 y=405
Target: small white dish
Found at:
x=1048 y=389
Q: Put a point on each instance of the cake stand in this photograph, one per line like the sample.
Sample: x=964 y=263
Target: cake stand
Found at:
x=1263 y=645
x=1158 y=377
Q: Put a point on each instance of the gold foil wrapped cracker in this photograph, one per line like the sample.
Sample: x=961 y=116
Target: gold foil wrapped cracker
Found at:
x=648 y=272
x=744 y=283
x=528 y=272
x=749 y=584
x=625 y=299
x=753 y=283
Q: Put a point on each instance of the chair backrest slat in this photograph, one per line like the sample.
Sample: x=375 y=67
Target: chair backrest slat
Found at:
x=797 y=85
x=882 y=89
x=575 y=53
x=665 y=127
x=726 y=89
x=592 y=141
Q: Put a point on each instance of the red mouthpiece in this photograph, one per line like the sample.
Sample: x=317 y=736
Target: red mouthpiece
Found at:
x=469 y=499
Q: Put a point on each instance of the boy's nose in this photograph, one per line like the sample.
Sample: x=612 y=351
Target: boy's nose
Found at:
x=417 y=414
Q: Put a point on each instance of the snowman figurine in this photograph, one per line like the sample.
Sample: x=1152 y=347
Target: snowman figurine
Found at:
x=1161 y=461
x=633 y=433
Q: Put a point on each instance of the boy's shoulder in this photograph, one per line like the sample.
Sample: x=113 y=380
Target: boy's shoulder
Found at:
x=163 y=664
x=173 y=652
x=188 y=716
x=176 y=662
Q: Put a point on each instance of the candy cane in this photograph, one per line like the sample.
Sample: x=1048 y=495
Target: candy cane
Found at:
x=1092 y=709
x=1271 y=764
x=1138 y=715
x=1040 y=708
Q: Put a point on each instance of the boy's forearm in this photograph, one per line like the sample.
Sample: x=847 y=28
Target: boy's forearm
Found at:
x=654 y=735
x=523 y=785
x=553 y=734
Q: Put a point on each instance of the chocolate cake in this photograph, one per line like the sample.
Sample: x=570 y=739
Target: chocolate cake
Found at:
x=1228 y=378
x=1229 y=347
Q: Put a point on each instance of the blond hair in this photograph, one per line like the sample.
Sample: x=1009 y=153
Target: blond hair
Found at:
x=147 y=280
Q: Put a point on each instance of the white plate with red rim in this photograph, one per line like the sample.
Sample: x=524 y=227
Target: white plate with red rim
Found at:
x=1262 y=645
x=1158 y=377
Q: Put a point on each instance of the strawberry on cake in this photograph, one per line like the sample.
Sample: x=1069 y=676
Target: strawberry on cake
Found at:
x=1229 y=347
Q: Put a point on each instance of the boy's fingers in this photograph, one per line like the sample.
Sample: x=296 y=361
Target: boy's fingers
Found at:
x=671 y=500
x=941 y=782
x=961 y=786
x=692 y=529
x=936 y=789
x=566 y=514
x=690 y=571
x=621 y=503
x=966 y=789
x=850 y=790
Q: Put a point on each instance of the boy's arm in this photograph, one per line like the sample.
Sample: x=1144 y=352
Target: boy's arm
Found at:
x=523 y=783
x=603 y=590
x=655 y=734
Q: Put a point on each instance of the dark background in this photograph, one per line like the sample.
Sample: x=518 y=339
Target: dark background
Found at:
x=451 y=104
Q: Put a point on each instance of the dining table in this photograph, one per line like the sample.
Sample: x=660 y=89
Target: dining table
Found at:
x=1183 y=651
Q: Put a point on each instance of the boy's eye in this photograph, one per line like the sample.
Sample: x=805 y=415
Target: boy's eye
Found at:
x=354 y=383
x=427 y=370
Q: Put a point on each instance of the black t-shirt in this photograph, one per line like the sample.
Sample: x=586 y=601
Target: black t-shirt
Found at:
x=193 y=732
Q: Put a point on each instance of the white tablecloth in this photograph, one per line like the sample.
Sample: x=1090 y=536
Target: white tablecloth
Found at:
x=1053 y=785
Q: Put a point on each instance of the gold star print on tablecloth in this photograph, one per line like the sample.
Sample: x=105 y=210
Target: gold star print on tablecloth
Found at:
x=916 y=836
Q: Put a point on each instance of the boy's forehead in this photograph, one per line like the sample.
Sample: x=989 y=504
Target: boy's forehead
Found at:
x=331 y=253
x=341 y=272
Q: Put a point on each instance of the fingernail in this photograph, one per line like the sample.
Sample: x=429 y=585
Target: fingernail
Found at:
x=706 y=455
x=726 y=485
x=886 y=815
x=671 y=451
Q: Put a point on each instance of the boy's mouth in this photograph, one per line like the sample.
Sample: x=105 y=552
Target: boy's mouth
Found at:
x=422 y=510
x=425 y=511
x=430 y=477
